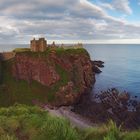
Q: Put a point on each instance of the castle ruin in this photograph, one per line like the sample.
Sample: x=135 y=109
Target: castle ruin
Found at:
x=38 y=45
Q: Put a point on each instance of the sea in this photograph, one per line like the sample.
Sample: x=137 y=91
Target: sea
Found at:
x=121 y=66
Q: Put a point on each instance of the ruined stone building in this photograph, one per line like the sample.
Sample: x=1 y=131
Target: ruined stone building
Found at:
x=38 y=45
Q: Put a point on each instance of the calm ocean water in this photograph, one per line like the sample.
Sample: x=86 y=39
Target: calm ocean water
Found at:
x=122 y=67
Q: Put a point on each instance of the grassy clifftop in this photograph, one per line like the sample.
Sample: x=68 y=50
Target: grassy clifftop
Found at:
x=59 y=51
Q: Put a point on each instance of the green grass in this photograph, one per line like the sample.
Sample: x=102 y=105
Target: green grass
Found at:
x=68 y=51
x=21 y=50
x=134 y=135
x=44 y=54
x=32 y=123
x=110 y=132
x=58 y=50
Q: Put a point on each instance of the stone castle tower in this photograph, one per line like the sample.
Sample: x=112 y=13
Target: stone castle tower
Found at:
x=38 y=45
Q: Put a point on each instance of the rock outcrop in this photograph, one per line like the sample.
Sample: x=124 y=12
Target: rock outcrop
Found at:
x=111 y=105
x=70 y=71
x=96 y=65
x=29 y=68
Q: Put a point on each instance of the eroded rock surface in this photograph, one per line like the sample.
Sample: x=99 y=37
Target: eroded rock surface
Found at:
x=70 y=72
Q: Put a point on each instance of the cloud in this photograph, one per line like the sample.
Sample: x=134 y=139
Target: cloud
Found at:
x=122 y=5
x=118 y=5
x=107 y=6
x=63 y=20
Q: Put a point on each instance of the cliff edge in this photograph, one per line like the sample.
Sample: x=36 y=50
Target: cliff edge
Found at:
x=57 y=76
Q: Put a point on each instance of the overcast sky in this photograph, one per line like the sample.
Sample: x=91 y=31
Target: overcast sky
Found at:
x=80 y=20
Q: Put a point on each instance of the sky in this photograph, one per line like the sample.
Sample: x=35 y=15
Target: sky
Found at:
x=87 y=21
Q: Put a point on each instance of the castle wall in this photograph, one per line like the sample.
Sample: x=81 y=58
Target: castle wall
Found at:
x=34 y=45
x=7 y=55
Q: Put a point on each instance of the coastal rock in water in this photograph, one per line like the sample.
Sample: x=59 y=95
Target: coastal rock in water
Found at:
x=96 y=65
x=114 y=106
x=96 y=69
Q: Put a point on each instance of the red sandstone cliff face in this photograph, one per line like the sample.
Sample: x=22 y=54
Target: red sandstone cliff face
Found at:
x=30 y=68
x=80 y=75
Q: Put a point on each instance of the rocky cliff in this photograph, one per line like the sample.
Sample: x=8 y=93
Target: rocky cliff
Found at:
x=57 y=76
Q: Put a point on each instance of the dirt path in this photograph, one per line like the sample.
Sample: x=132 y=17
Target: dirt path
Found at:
x=75 y=119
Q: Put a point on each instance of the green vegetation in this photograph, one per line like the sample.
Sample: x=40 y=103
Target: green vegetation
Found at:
x=21 y=50
x=69 y=50
x=63 y=74
x=44 y=54
x=110 y=132
x=58 y=50
x=21 y=122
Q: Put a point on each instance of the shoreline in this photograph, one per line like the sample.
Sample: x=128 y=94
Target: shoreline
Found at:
x=75 y=119
x=109 y=109
x=87 y=112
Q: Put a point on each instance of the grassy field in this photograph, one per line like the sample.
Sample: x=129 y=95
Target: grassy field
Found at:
x=21 y=122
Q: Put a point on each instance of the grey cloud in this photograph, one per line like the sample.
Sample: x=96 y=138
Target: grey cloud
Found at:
x=118 y=5
x=63 y=19
x=122 y=5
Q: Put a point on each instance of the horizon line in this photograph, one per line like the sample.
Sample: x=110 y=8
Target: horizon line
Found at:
x=97 y=41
